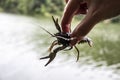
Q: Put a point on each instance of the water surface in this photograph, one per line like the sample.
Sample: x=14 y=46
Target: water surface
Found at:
x=22 y=43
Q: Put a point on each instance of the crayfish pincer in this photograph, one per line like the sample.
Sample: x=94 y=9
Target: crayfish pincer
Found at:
x=63 y=40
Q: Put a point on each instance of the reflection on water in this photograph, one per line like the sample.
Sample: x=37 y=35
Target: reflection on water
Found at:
x=21 y=45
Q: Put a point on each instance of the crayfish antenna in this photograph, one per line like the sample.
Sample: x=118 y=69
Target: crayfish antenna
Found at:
x=56 y=24
x=47 y=31
x=78 y=53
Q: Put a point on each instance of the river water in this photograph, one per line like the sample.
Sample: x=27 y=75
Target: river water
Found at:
x=19 y=57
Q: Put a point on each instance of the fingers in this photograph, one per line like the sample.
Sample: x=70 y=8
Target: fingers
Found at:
x=68 y=14
x=82 y=9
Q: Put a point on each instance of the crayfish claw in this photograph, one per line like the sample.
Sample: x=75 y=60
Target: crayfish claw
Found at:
x=45 y=57
x=51 y=56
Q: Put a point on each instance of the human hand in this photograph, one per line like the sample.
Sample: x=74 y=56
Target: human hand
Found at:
x=73 y=7
x=96 y=11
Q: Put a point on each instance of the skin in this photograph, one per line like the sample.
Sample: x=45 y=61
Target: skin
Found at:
x=96 y=11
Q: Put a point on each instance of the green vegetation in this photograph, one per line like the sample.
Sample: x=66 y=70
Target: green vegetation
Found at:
x=37 y=7
x=32 y=7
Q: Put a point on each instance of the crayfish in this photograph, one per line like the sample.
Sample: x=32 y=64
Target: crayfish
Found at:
x=62 y=39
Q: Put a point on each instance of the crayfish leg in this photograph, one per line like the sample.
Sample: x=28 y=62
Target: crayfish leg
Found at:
x=78 y=53
x=90 y=43
x=52 y=45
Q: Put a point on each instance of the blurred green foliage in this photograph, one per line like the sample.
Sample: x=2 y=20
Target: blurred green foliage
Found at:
x=32 y=7
x=37 y=7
